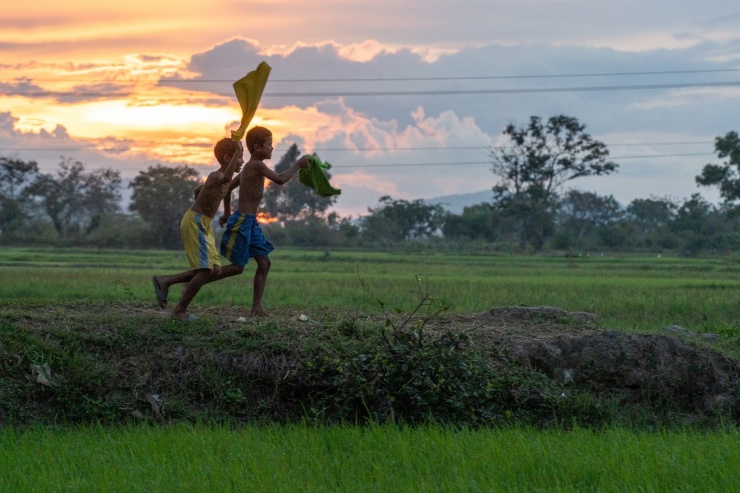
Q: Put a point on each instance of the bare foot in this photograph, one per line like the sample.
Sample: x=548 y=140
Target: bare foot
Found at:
x=185 y=317
x=259 y=312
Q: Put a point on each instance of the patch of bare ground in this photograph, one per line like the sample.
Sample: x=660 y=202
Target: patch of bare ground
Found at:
x=572 y=349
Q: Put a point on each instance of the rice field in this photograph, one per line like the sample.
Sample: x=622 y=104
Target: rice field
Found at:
x=626 y=293
x=393 y=459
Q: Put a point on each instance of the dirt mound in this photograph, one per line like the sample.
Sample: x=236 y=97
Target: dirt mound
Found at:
x=570 y=348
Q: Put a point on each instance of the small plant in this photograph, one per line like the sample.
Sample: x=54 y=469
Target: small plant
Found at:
x=412 y=373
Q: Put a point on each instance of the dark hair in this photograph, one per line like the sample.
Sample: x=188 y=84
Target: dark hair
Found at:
x=223 y=147
x=257 y=135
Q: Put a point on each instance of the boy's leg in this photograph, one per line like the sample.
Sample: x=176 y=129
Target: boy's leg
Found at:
x=260 y=281
x=189 y=292
x=166 y=281
x=163 y=283
x=226 y=271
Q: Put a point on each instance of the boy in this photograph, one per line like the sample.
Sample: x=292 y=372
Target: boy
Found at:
x=197 y=234
x=243 y=237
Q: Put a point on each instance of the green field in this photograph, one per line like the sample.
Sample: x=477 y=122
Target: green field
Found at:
x=342 y=459
x=638 y=294
x=629 y=293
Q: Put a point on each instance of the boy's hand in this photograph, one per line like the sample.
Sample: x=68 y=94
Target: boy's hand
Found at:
x=224 y=218
x=303 y=162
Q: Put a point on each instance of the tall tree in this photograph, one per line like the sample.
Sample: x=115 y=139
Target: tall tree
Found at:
x=161 y=195
x=293 y=202
x=15 y=176
x=542 y=157
x=726 y=176
x=74 y=199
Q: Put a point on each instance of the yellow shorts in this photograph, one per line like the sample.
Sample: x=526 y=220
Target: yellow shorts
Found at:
x=198 y=240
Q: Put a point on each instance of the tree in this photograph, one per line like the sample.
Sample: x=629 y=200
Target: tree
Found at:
x=15 y=176
x=582 y=213
x=401 y=220
x=293 y=202
x=479 y=221
x=161 y=195
x=75 y=200
x=541 y=159
x=723 y=175
x=649 y=221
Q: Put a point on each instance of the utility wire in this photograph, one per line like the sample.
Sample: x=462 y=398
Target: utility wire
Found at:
x=393 y=79
x=442 y=92
x=488 y=163
x=363 y=149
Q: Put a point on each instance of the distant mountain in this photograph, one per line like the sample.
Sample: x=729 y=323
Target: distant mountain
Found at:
x=456 y=203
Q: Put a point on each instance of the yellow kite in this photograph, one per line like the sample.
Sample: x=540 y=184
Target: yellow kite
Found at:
x=248 y=91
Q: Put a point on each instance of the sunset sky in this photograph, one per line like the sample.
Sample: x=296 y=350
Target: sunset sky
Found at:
x=405 y=97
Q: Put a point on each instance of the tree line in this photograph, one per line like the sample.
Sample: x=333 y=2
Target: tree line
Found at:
x=531 y=208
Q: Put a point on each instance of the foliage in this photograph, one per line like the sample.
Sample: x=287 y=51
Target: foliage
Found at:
x=726 y=176
x=477 y=222
x=413 y=374
x=401 y=220
x=15 y=176
x=581 y=212
x=76 y=200
x=161 y=195
x=541 y=159
x=293 y=202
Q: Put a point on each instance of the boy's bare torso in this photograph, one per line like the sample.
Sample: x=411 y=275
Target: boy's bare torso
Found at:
x=251 y=187
x=209 y=198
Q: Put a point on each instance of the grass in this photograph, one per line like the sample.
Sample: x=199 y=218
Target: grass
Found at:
x=627 y=293
x=302 y=458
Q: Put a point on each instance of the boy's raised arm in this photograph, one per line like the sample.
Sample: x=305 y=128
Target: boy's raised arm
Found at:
x=235 y=160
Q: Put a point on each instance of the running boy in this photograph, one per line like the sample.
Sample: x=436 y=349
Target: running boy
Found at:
x=197 y=234
x=243 y=237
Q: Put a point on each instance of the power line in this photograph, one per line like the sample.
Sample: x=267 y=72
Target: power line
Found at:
x=440 y=92
x=395 y=79
x=488 y=163
x=364 y=149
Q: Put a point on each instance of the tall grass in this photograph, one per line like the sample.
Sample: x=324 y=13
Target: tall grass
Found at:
x=299 y=458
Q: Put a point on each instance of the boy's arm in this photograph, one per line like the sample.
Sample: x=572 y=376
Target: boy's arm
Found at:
x=227 y=200
x=285 y=176
x=236 y=159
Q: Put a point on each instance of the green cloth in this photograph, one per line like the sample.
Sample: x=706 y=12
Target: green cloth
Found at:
x=248 y=91
x=313 y=176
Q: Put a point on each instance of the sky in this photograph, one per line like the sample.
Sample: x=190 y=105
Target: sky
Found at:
x=404 y=98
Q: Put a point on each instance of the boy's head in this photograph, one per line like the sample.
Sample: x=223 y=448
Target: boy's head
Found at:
x=255 y=136
x=225 y=147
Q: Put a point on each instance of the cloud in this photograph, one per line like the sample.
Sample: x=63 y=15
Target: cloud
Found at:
x=395 y=121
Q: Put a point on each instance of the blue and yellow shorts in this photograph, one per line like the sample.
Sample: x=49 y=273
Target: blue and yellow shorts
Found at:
x=198 y=240
x=243 y=239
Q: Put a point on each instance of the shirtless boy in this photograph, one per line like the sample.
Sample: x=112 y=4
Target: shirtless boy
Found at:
x=197 y=234
x=243 y=237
